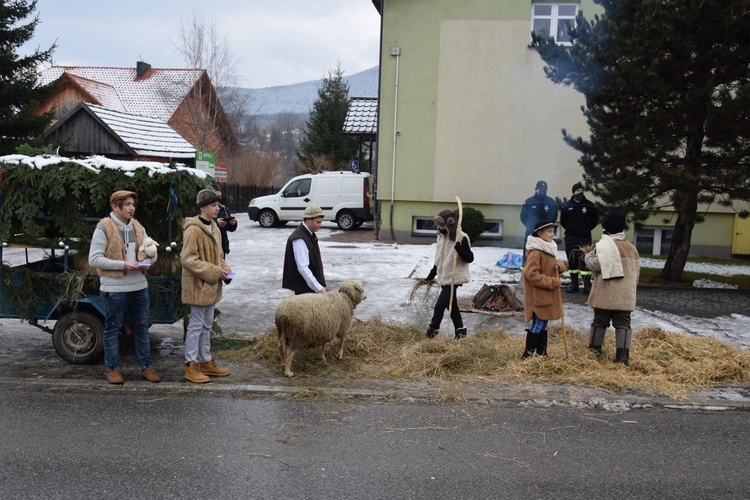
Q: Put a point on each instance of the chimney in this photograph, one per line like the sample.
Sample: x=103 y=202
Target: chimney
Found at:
x=141 y=68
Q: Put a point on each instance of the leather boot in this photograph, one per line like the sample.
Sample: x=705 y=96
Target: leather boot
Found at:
x=193 y=374
x=596 y=339
x=587 y=284
x=210 y=368
x=531 y=341
x=460 y=333
x=573 y=283
x=622 y=342
x=541 y=345
x=431 y=332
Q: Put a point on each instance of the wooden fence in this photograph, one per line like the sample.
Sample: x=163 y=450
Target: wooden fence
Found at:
x=238 y=197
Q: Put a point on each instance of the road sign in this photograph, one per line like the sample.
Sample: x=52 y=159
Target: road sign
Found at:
x=220 y=173
x=354 y=165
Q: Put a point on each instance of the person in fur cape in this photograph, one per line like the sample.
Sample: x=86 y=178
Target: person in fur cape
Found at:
x=616 y=265
x=541 y=286
x=203 y=272
x=117 y=254
x=442 y=270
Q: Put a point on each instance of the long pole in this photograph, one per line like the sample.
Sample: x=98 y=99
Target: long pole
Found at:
x=562 y=313
x=453 y=271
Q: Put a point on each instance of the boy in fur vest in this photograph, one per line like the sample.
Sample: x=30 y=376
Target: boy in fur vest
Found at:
x=117 y=255
x=617 y=266
x=451 y=241
x=541 y=284
x=203 y=272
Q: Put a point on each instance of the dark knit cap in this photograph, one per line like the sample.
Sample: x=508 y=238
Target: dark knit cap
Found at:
x=614 y=222
x=576 y=187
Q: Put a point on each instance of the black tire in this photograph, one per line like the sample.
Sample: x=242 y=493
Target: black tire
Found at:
x=358 y=224
x=267 y=218
x=78 y=338
x=346 y=220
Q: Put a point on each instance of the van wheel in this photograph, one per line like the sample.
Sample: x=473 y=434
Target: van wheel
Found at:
x=346 y=220
x=78 y=337
x=266 y=218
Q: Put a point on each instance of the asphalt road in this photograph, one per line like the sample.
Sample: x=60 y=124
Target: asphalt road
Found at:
x=146 y=441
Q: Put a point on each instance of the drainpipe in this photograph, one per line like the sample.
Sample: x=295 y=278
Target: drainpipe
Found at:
x=395 y=51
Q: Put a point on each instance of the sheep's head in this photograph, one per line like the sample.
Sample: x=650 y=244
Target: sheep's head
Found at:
x=354 y=290
x=149 y=247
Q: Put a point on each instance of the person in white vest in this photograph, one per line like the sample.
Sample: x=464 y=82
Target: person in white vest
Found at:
x=451 y=241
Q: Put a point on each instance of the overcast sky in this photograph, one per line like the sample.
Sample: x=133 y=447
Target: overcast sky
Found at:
x=277 y=42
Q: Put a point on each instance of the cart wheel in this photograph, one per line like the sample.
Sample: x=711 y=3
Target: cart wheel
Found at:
x=78 y=338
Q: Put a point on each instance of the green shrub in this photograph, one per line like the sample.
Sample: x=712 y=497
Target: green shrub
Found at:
x=472 y=223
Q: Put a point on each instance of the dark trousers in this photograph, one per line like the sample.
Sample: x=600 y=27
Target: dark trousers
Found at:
x=442 y=304
x=573 y=246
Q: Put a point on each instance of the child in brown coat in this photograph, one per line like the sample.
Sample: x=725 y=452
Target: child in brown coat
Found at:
x=541 y=284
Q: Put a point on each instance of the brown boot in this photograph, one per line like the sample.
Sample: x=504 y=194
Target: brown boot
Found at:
x=212 y=370
x=193 y=374
x=150 y=375
x=115 y=377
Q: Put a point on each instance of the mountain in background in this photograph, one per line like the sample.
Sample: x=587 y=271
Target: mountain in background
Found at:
x=298 y=98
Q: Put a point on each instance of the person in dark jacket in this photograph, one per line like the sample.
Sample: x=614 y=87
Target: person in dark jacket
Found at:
x=536 y=208
x=226 y=222
x=303 y=266
x=578 y=217
x=448 y=248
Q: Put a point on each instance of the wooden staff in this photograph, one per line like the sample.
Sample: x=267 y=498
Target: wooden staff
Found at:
x=562 y=313
x=453 y=272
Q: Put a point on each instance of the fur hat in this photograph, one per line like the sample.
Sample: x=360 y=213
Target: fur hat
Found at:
x=614 y=222
x=576 y=187
x=542 y=224
x=122 y=196
x=541 y=186
x=312 y=212
x=447 y=219
x=206 y=197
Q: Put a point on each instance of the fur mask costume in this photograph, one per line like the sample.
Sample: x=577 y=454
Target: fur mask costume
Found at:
x=445 y=222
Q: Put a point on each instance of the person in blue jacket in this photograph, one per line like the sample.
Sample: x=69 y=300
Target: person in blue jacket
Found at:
x=536 y=208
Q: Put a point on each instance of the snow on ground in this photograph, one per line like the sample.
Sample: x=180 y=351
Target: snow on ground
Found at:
x=388 y=270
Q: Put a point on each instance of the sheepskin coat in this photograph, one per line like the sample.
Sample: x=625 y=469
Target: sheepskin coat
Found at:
x=202 y=263
x=444 y=252
x=541 y=286
x=617 y=294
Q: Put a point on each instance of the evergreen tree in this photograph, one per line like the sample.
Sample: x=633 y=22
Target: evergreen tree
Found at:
x=19 y=93
x=667 y=89
x=325 y=146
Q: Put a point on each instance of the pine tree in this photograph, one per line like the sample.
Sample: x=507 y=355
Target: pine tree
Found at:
x=667 y=90
x=325 y=146
x=19 y=93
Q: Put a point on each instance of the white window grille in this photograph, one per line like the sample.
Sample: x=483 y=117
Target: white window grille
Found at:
x=554 y=19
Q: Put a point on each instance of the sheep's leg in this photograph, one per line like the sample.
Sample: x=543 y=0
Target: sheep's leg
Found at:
x=323 y=353
x=341 y=347
x=288 y=355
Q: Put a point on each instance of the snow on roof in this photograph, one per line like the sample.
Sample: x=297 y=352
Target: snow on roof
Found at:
x=157 y=93
x=98 y=163
x=362 y=117
x=147 y=136
x=106 y=95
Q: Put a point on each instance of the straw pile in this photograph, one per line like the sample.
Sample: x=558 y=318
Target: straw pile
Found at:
x=669 y=363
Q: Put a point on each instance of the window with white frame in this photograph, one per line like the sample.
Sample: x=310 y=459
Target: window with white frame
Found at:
x=554 y=19
x=426 y=226
x=653 y=240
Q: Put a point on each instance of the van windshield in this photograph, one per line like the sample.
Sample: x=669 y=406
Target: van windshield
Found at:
x=295 y=189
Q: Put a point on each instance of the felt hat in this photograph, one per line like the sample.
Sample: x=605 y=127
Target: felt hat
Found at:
x=541 y=186
x=614 y=222
x=122 y=195
x=206 y=197
x=542 y=224
x=447 y=219
x=576 y=187
x=312 y=212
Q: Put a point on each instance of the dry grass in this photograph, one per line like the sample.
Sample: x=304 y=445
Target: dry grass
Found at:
x=669 y=363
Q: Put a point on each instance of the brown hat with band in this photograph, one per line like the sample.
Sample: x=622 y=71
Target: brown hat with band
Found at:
x=122 y=196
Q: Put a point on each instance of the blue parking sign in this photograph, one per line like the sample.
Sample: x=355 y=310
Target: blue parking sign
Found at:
x=354 y=165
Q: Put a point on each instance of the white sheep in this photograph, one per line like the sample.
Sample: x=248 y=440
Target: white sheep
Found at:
x=149 y=247
x=314 y=319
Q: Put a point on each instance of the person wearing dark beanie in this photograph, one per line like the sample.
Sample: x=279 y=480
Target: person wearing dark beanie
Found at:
x=616 y=266
x=578 y=217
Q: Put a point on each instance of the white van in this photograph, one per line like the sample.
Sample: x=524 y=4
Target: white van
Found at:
x=343 y=197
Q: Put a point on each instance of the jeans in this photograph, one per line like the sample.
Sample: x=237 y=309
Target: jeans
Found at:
x=119 y=308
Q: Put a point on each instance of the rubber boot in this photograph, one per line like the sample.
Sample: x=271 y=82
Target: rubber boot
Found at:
x=622 y=342
x=596 y=339
x=541 y=345
x=573 y=283
x=531 y=341
x=460 y=333
x=587 y=284
x=432 y=332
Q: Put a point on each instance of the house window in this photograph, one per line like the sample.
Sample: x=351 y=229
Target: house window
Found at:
x=554 y=19
x=653 y=240
x=426 y=226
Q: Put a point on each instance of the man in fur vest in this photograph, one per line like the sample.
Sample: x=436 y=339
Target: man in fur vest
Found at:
x=203 y=272
x=616 y=266
x=117 y=255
